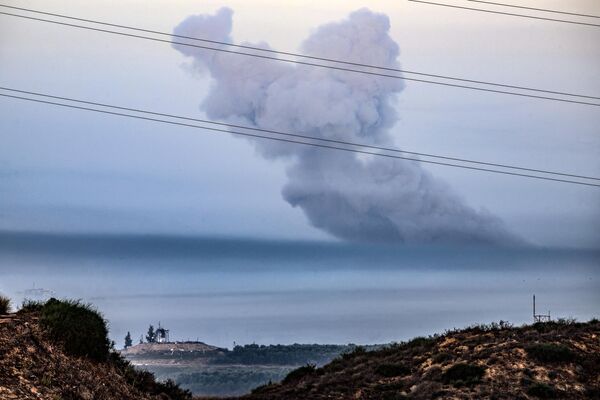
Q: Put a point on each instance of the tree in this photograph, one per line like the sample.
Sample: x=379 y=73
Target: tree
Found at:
x=151 y=335
x=128 y=341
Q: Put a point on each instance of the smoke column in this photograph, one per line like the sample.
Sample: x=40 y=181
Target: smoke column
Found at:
x=353 y=198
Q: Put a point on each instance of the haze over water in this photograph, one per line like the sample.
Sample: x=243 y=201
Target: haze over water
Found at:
x=228 y=290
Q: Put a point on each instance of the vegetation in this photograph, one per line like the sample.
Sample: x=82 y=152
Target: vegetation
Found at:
x=145 y=381
x=463 y=373
x=422 y=342
x=31 y=306
x=550 y=352
x=441 y=357
x=151 y=335
x=543 y=391
x=355 y=352
x=296 y=354
x=128 y=341
x=4 y=305
x=78 y=327
x=299 y=373
x=81 y=331
x=230 y=381
x=392 y=370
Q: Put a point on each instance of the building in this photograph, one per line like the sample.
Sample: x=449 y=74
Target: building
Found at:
x=161 y=335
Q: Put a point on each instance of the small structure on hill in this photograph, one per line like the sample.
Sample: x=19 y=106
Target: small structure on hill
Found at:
x=161 y=335
x=540 y=317
x=37 y=294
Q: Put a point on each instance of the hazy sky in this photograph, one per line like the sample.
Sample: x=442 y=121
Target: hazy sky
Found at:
x=64 y=170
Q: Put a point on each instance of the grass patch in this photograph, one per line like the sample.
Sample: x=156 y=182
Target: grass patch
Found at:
x=299 y=373
x=31 y=306
x=463 y=374
x=439 y=358
x=550 y=352
x=421 y=342
x=392 y=370
x=543 y=391
x=356 y=352
x=4 y=305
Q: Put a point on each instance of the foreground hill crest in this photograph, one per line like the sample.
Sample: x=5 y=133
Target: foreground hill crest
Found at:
x=546 y=360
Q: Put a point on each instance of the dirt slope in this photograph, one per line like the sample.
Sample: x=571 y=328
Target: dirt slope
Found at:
x=33 y=368
x=553 y=360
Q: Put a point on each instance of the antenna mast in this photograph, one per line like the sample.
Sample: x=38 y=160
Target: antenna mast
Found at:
x=539 y=317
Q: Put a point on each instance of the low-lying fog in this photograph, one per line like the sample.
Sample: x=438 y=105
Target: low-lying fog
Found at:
x=222 y=291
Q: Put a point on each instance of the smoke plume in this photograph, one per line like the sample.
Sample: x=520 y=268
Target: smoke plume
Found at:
x=354 y=198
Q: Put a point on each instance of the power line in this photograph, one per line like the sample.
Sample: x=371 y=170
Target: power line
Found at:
x=340 y=68
x=535 y=9
x=286 y=53
x=505 y=13
x=297 y=141
x=298 y=135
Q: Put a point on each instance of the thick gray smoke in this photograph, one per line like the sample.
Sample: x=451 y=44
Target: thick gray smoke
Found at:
x=354 y=198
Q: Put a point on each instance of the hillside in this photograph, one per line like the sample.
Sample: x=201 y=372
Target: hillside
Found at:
x=37 y=364
x=172 y=352
x=550 y=360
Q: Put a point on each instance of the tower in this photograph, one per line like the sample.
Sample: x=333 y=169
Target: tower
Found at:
x=162 y=334
x=539 y=317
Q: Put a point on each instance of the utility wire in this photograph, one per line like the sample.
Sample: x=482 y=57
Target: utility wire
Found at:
x=247 y=47
x=297 y=135
x=297 y=141
x=341 y=68
x=535 y=9
x=504 y=13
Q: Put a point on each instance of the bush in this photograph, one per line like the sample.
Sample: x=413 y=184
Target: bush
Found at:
x=356 y=352
x=463 y=373
x=421 y=342
x=439 y=358
x=78 y=327
x=392 y=370
x=261 y=388
x=543 y=391
x=550 y=352
x=4 y=305
x=31 y=305
x=299 y=373
x=82 y=332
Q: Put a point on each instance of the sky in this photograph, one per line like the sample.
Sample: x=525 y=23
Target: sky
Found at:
x=69 y=171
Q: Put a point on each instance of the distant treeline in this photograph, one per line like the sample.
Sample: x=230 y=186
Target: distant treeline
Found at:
x=294 y=354
x=230 y=381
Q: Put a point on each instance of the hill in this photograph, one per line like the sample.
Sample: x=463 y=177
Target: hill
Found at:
x=59 y=350
x=546 y=360
x=210 y=371
x=172 y=353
